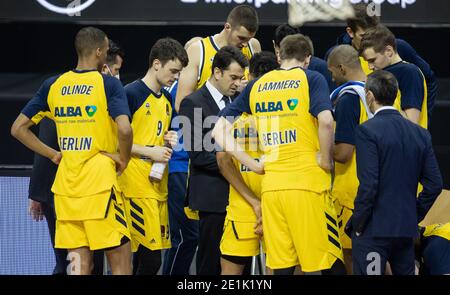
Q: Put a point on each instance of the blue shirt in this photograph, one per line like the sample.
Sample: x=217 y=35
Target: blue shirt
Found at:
x=180 y=158
x=347 y=115
x=319 y=65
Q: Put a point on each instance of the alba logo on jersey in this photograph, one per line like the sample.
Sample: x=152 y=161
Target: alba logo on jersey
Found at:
x=271 y=106
x=74 y=111
x=292 y=103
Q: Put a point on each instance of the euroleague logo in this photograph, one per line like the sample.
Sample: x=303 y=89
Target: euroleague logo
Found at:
x=71 y=9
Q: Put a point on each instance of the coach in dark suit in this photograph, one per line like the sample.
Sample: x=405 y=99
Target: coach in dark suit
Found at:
x=208 y=190
x=393 y=155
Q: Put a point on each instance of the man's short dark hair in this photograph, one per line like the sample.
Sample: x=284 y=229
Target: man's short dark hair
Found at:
x=295 y=46
x=168 y=49
x=244 y=15
x=377 y=38
x=263 y=62
x=114 y=50
x=384 y=87
x=284 y=30
x=89 y=39
x=362 y=19
x=226 y=55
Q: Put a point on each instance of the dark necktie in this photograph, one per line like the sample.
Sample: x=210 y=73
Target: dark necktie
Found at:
x=227 y=101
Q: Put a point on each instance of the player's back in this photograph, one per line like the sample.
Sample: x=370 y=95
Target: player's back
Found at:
x=246 y=136
x=78 y=105
x=287 y=129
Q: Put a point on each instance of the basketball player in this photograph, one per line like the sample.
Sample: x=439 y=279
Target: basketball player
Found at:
x=357 y=26
x=295 y=128
x=379 y=48
x=92 y=118
x=239 y=30
x=151 y=112
x=243 y=223
x=351 y=110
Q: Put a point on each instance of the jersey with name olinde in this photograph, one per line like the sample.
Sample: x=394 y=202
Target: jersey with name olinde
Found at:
x=83 y=105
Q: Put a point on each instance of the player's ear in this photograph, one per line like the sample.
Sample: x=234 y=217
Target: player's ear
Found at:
x=350 y=32
x=156 y=64
x=342 y=69
x=390 y=51
x=227 y=26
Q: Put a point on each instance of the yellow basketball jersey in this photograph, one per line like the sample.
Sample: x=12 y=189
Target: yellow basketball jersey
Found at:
x=208 y=50
x=78 y=105
x=151 y=115
x=345 y=185
x=246 y=136
x=365 y=66
x=287 y=131
x=442 y=230
x=423 y=118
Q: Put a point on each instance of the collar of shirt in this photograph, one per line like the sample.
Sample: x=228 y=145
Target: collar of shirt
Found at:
x=217 y=96
x=384 y=108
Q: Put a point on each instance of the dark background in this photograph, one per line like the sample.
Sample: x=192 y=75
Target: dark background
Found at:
x=36 y=44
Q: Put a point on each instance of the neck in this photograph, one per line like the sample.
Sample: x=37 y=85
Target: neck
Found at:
x=87 y=63
x=395 y=59
x=221 y=39
x=151 y=81
x=377 y=106
x=291 y=63
x=214 y=83
x=357 y=75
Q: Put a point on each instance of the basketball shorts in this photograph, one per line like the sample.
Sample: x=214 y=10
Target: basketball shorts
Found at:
x=343 y=216
x=300 y=228
x=95 y=233
x=149 y=223
x=239 y=239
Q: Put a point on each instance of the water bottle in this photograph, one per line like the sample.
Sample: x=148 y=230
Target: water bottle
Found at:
x=158 y=168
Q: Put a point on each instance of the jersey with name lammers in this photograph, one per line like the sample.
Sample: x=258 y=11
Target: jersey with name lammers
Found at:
x=208 y=49
x=83 y=105
x=441 y=230
x=286 y=104
x=151 y=114
x=246 y=136
x=412 y=89
x=349 y=113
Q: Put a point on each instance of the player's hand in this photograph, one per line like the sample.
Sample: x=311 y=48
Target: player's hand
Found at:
x=121 y=165
x=35 y=210
x=258 y=212
x=171 y=138
x=326 y=165
x=157 y=154
x=258 y=166
x=56 y=158
x=242 y=85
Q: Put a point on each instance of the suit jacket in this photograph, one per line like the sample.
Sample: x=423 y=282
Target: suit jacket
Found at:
x=44 y=170
x=393 y=155
x=207 y=188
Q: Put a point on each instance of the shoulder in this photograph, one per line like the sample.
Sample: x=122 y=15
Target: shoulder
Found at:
x=111 y=83
x=317 y=61
x=314 y=77
x=403 y=45
x=348 y=99
x=134 y=88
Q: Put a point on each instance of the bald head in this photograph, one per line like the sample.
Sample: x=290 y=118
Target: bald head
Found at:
x=344 y=55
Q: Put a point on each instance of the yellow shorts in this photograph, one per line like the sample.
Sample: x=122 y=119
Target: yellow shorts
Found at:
x=149 y=220
x=239 y=239
x=343 y=215
x=300 y=228
x=96 y=234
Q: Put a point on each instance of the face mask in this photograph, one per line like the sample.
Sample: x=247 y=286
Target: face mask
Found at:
x=111 y=74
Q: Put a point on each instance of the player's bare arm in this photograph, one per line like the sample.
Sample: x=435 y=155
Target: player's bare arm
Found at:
x=187 y=82
x=232 y=175
x=343 y=152
x=222 y=135
x=21 y=130
x=413 y=115
x=326 y=139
